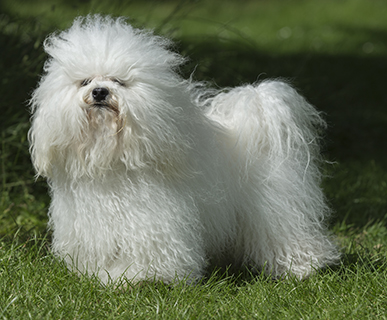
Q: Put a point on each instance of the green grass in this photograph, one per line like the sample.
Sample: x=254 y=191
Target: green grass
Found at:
x=335 y=52
x=35 y=285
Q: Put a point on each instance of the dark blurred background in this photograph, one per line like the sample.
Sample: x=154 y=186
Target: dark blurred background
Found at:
x=334 y=53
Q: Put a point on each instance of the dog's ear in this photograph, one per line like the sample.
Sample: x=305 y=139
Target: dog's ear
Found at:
x=40 y=137
x=41 y=155
x=56 y=121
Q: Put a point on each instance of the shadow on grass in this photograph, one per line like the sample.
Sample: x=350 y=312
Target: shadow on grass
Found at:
x=358 y=263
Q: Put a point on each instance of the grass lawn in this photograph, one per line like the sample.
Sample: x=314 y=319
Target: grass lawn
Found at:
x=335 y=53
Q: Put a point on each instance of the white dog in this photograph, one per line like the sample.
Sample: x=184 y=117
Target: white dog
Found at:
x=155 y=177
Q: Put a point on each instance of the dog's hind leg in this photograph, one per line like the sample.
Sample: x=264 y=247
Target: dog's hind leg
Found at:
x=282 y=207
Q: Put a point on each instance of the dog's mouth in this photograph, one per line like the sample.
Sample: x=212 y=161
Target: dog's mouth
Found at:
x=110 y=105
x=106 y=106
x=105 y=114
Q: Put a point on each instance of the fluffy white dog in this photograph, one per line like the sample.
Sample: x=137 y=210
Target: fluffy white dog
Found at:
x=154 y=177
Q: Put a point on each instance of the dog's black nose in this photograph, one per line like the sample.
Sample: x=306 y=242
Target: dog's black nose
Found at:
x=100 y=94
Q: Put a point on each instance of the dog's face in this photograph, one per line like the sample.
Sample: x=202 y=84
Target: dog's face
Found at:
x=102 y=99
x=101 y=93
x=110 y=95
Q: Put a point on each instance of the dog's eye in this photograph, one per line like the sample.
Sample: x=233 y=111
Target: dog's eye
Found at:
x=121 y=83
x=85 y=82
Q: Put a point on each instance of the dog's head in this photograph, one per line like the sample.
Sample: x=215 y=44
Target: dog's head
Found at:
x=109 y=96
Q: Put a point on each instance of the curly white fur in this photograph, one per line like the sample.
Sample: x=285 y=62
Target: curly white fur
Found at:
x=150 y=178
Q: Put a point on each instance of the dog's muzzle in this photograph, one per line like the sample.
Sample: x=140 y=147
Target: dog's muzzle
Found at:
x=103 y=99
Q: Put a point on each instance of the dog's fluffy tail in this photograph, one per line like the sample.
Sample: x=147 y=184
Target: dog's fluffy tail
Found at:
x=275 y=141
